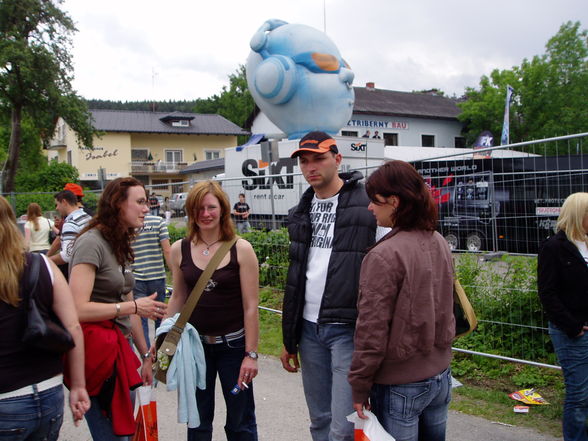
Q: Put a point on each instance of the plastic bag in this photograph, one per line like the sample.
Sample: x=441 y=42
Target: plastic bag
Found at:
x=370 y=429
x=146 y=415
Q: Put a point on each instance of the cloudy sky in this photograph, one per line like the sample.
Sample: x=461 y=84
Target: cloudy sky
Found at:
x=185 y=49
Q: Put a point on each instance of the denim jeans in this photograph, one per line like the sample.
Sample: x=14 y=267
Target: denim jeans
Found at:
x=572 y=354
x=144 y=288
x=414 y=411
x=243 y=227
x=33 y=417
x=325 y=357
x=225 y=360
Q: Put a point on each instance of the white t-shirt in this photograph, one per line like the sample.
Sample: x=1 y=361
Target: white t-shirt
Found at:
x=581 y=245
x=322 y=217
x=39 y=239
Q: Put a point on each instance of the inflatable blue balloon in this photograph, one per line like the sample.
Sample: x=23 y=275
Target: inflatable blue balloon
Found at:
x=298 y=78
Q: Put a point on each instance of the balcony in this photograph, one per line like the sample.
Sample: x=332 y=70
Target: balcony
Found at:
x=156 y=168
x=57 y=143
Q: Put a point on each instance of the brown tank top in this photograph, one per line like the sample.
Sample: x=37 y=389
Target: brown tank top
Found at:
x=220 y=309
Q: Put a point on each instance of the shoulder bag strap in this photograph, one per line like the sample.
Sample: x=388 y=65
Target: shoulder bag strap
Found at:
x=201 y=284
x=31 y=280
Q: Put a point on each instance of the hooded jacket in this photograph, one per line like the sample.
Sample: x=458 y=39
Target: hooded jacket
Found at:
x=355 y=231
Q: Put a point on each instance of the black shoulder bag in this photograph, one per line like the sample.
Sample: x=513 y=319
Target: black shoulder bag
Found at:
x=43 y=328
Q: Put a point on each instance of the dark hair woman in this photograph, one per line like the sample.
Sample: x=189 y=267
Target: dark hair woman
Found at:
x=31 y=390
x=405 y=323
x=226 y=315
x=101 y=281
x=562 y=283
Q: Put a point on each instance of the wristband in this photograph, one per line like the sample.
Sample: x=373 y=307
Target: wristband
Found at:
x=135 y=306
x=117 y=310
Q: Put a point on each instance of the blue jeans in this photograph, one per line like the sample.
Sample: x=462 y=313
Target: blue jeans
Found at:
x=325 y=357
x=225 y=360
x=33 y=417
x=572 y=354
x=144 y=288
x=243 y=227
x=414 y=411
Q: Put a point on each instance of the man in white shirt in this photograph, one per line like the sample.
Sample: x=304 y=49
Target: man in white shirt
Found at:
x=330 y=230
x=74 y=220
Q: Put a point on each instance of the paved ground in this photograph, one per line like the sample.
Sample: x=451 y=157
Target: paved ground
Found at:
x=282 y=415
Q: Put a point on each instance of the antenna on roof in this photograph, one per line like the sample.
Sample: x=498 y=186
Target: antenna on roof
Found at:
x=325 y=16
x=153 y=75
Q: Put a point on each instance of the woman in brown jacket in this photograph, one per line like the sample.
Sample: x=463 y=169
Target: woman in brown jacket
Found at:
x=400 y=366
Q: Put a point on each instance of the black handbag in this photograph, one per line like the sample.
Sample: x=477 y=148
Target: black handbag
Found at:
x=52 y=235
x=43 y=329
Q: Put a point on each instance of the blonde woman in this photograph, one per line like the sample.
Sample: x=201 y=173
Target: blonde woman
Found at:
x=562 y=282
x=226 y=315
x=37 y=229
x=31 y=391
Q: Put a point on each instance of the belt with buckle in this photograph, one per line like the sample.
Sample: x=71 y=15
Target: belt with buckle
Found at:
x=217 y=339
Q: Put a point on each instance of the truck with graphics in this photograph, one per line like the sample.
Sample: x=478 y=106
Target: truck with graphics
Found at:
x=502 y=204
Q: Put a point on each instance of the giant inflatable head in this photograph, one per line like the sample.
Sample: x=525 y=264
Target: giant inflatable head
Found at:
x=298 y=78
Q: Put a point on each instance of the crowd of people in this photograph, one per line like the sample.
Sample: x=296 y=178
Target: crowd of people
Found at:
x=367 y=311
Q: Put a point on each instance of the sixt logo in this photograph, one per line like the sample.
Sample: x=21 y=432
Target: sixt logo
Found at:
x=252 y=167
x=358 y=146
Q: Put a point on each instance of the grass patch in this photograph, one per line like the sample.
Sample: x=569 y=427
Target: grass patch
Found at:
x=270 y=323
x=495 y=405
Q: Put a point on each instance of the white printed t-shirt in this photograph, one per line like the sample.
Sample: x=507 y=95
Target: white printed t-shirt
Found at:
x=322 y=218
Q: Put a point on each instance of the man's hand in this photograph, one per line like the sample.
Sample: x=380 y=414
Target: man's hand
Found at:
x=289 y=361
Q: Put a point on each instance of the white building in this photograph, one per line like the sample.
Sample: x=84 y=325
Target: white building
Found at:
x=400 y=118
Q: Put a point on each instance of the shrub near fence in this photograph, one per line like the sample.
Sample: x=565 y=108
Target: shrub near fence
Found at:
x=504 y=296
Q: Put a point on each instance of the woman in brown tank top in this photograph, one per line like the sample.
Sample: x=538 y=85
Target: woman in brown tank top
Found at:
x=226 y=315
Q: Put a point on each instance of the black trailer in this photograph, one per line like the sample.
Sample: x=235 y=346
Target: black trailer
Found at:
x=502 y=204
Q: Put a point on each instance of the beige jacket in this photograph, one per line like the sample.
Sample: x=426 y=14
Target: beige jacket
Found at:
x=405 y=325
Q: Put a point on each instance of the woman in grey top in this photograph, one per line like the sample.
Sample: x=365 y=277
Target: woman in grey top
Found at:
x=101 y=281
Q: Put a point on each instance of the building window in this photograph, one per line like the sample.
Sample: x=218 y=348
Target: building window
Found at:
x=212 y=154
x=177 y=188
x=173 y=156
x=139 y=154
x=349 y=133
x=428 y=140
x=460 y=142
x=181 y=123
x=69 y=157
x=390 y=138
x=160 y=185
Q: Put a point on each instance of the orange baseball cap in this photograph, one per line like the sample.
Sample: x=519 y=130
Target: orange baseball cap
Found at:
x=75 y=189
x=317 y=142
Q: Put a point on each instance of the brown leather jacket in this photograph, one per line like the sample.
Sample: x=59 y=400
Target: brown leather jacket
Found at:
x=405 y=325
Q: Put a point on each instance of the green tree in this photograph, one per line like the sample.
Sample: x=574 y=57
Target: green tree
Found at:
x=36 y=74
x=235 y=103
x=484 y=108
x=49 y=177
x=550 y=93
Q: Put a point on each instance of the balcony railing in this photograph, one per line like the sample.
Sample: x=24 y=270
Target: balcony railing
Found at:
x=158 y=167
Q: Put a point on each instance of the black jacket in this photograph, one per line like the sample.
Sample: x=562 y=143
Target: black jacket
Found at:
x=562 y=282
x=355 y=231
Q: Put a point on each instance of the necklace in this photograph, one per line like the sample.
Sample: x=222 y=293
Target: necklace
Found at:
x=206 y=252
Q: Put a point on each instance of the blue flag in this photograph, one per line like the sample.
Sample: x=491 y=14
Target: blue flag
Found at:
x=505 y=138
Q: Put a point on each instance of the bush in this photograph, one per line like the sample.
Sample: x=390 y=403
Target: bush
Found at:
x=504 y=296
